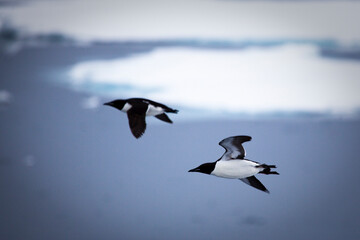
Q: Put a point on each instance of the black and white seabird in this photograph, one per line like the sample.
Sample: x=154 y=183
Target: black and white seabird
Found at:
x=137 y=109
x=233 y=164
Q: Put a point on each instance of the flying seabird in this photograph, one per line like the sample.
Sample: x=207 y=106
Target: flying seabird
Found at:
x=233 y=164
x=139 y=108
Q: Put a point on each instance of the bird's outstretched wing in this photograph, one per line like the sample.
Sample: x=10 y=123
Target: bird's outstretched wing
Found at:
x=164 y=117
x=233 y=147
x=137 y=123
x=254 y=182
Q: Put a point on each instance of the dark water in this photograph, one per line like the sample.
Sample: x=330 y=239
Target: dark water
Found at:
x=70 y=173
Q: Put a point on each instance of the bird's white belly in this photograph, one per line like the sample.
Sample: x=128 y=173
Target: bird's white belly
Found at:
x=153 y=111
x=235 y=169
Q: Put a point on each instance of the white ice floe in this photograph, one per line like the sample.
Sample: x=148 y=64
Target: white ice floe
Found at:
x=284 y=78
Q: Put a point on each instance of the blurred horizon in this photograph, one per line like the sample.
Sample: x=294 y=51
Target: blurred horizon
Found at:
x=259 y=63
x=246 y=61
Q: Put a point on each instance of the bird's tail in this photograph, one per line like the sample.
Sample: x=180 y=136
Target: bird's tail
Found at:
x=170 y=110
x=267 y=169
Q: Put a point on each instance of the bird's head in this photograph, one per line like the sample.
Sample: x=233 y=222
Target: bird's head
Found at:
x=119 y=104
x=206 y=168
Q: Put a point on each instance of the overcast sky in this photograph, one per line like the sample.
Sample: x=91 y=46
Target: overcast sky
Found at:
x=139 y=19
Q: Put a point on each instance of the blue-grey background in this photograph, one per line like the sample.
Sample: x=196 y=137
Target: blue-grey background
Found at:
x=68 y=171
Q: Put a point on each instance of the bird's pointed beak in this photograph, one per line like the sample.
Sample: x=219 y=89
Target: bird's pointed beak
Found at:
x=108 y=104
x=194 y=170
